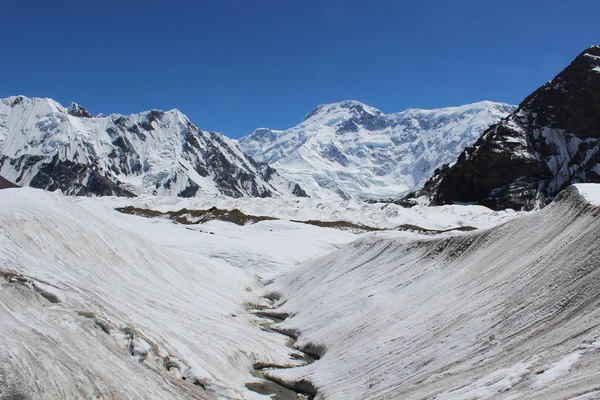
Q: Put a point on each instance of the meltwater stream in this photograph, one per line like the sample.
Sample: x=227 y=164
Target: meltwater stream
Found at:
x=268 y=315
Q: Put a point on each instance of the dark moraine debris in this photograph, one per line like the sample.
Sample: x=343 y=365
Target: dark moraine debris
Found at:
x=6 y=184
x=194 y=217
x=342 y=225
x=416 y=228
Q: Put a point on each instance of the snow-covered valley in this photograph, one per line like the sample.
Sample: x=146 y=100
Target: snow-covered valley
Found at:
x=285 y=200
x=101 y=304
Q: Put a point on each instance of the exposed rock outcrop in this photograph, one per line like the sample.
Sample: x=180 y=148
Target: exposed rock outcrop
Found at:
x=551 y=141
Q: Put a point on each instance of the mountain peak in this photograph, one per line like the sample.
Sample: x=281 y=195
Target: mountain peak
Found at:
x=41 y=105
x=350 y=149
x=353 y=106
x=152 y=152
x=78 y=111
x=551 y=141
x=592 y=48
x=578 y=82
x=484 y=105
x=592 y=55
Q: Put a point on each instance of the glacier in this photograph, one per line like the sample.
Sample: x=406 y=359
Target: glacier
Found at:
x=95 y=303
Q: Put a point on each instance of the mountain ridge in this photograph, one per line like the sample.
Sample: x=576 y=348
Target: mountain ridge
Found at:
x=46 y=145
x=351 y=150
x=550 y=141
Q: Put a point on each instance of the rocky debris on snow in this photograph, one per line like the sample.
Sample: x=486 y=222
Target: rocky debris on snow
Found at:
x=194 y=217
x=191 y=217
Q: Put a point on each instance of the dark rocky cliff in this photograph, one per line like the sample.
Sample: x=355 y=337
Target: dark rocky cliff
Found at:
x=551 y=141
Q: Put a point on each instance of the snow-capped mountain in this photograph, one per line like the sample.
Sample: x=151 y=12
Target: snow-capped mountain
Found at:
x=44 y=145
x=551 y=141
x=352 y=150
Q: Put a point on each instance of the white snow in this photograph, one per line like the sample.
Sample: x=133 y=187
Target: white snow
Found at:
x=558 y=369
x=507 y=311
x=591 y=192
x=264 y=248
x=155 y=152
x=378 y=215
x=170 y=300
x=474 y=315
x=167 y=293
x=492 y=384
x=349 y=149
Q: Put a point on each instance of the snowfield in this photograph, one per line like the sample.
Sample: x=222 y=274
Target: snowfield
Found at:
x=170 y=313
x=378 y=215
x=590 y=191
x=507 y=312
x=99 y=304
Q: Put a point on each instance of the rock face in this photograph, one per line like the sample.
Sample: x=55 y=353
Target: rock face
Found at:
x=551 y=141
x=4 y=184
x=78 y=111
x=44 y=145
x=352 y=150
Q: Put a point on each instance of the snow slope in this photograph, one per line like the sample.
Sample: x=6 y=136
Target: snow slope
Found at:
x=591 y=192
x=171 y=311
x=99 y=304
x=507 y=312
x=264 y=248
x=44 y=145
x=352 y=150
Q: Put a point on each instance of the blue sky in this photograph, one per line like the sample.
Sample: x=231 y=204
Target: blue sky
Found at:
x=235 y=65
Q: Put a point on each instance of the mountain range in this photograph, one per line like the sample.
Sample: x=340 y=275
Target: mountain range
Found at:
x=243 y=291
x=48 y=146
x=351 y=150
x=486 y=153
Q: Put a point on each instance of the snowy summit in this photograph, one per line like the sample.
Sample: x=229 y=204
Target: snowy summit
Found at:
x=352 y=150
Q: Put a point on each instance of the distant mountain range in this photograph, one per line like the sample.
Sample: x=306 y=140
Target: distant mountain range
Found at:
x=44 y=145
x=352 y=150
x=486 y=153
x=549 y=142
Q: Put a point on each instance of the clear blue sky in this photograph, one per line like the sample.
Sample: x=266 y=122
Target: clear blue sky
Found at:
x=235 y=65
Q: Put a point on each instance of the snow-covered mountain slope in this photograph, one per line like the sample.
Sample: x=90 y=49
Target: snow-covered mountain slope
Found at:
x=86 y=293
x=551 y=141
x=509 y=312
x=352 y=150
x=98 y=304
x=44 y=145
